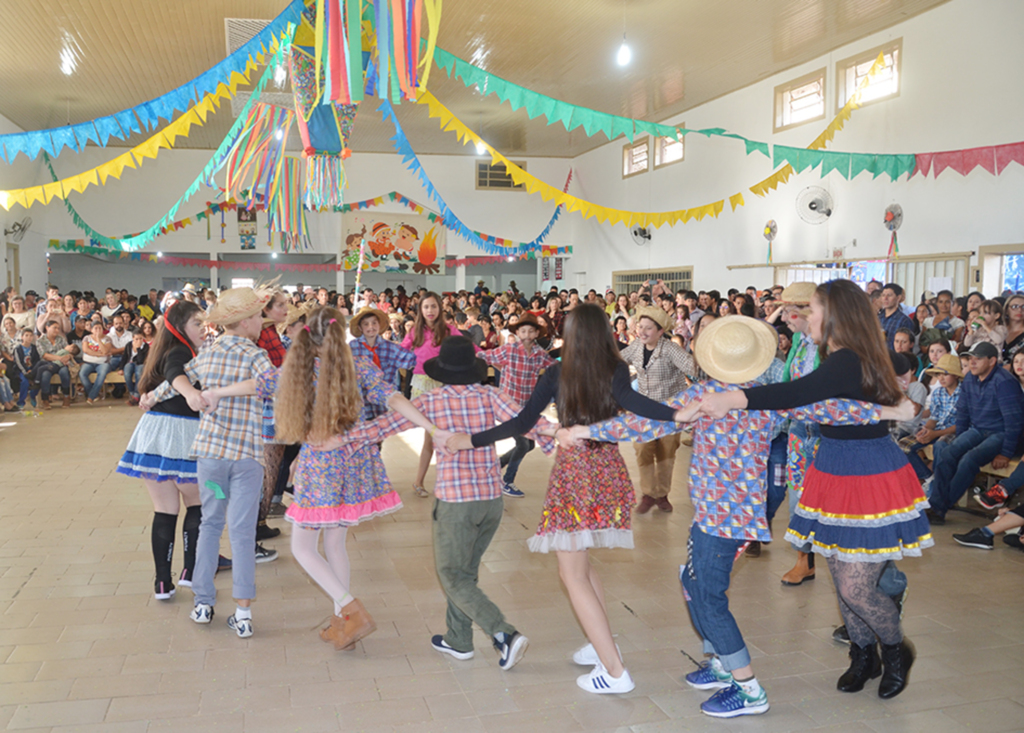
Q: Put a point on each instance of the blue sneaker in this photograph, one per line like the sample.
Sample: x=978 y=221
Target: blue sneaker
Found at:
x=511 y=649
x=733 y=702
x=512 y=491
x=711 y=676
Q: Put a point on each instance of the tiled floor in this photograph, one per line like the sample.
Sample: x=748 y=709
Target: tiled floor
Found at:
x=85 y=647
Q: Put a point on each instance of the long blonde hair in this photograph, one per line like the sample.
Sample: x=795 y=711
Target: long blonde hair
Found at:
x=303 y=415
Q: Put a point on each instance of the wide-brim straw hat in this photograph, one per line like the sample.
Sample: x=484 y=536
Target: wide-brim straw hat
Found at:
x=528 y=320
x=457 y=363
x=353 y=324
x=736 y=349
x=799 y=293
x=237 y=304
x=655 y=314
x=295 y=312
x=947 y=364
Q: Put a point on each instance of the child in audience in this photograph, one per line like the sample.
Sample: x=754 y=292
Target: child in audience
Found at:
x=940 y=414
x=6 y=394
x=987 y=325
x=984 y=537
x=906 y=366
x=134 y=362
x=229 y=451
x=28 y=361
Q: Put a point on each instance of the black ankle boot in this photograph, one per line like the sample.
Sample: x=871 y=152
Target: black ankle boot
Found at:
x=896 y=662
x=864 y=665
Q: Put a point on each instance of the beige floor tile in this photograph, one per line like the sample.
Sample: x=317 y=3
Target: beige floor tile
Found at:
x=50 y=714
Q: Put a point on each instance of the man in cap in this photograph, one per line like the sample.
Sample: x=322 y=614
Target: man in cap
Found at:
x=663 y=369
x=988 y=425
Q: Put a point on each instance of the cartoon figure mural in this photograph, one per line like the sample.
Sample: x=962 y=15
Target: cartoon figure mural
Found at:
x=393 y=242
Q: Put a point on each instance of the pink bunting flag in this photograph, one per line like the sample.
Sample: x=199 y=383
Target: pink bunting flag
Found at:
x=952 y=159
x=985 y=157
x=1006 y=154
x=923 y=164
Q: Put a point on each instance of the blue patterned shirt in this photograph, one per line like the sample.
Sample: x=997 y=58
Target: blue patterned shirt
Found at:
x=392 y=357
x=730 y=455
x=942 y=406
x=891 y=324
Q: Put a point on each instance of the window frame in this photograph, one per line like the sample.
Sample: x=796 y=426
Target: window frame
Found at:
x=681 y=139
x=628 y=281
x=627 y=148
x=863 y=57
x=476 y=176
x=782 y=89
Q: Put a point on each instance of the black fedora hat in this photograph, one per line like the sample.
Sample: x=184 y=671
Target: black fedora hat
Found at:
x=457 y=363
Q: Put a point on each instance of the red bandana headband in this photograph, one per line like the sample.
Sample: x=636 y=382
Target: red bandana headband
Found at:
x=174 y=331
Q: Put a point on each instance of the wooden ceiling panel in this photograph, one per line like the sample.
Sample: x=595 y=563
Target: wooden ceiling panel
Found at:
x=685 y=52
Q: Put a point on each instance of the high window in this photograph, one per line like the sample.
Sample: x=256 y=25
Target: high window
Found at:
x=799 y=101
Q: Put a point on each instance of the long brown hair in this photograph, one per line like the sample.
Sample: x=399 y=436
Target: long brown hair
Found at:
x=166 y=339
x=305 y=415
x=589 y=360
x=419 y=327
x=849 y=323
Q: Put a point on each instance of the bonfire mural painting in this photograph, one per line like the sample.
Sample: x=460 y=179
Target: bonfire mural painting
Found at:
x=408 y=242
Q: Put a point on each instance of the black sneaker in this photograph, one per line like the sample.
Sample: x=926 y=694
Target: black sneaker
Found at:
x=163 y=590
x=266 y=532
x=223 y=563
x=437 y=641
x=841 y=635
x=511 y=650
x=1013 y=540
x=934 y=518
x=975 y=538
x=265 y=555
x=186 y=578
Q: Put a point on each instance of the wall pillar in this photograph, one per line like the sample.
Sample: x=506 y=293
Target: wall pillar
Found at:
x=460 y=277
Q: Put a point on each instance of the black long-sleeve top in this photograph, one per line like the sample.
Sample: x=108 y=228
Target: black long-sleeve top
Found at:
x=174 y=366
x=838 y=376
x=547 y=390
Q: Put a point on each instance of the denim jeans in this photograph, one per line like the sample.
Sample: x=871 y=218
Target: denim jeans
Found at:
x=776 y=478
x=1014 y=481
x=93 y=389
x=46 y=371
x=132 y=372
x=705 y=579
x=6 y=393
x=230 y=492
x=958 y=463
x=516 y=456
x=462 y=532
x=917 y=463
x=25 y=387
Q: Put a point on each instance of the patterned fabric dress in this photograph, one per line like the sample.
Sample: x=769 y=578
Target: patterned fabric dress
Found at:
x=330 y=490
x=589 y=501
x=803 y=436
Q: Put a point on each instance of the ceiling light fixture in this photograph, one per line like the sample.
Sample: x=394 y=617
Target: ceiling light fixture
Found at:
x=280 y=76
x=159 y=254
x=69 y=54
x=624 y=56
x=481 y=148
x=273 y=255
x=279 y=134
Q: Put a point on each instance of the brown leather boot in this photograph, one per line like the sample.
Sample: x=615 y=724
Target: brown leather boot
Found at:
x=353 y=624
x=645 y=505
x=67 y=401
x=802 y=571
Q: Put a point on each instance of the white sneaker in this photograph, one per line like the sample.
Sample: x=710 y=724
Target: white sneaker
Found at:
x=602 y=683
x=241 y=626
x=202 y=613
x=586 y=655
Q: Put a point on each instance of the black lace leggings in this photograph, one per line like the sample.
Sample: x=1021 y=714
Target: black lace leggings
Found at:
x=867 y=611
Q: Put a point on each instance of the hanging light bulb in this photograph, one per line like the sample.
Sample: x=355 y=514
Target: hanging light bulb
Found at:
x=273 y=255
x=279 y=134
x=481 y=148
x=624 y=56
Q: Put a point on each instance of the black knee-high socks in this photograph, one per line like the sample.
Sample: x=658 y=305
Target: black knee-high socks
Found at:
x=163 y=543
x=190 y=535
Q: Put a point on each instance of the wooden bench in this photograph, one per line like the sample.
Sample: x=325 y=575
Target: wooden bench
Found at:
x=112 y=378
x=990 y=476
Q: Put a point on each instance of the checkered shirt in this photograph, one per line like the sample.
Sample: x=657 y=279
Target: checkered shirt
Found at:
x=270 y=342
x=392 y=358
x=730 y=456
x=45 y=346
x=666 y=371
x=233 y=432
x=942 y=406
x=469 y=475
x=519 y=370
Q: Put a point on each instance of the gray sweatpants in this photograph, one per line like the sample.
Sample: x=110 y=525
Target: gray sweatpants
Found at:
x=231 y=491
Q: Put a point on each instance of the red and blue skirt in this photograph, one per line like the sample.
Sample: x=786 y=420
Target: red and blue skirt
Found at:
x=861 y=502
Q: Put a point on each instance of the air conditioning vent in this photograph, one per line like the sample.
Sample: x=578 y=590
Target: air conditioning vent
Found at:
x=495 y=177
x=239 y=31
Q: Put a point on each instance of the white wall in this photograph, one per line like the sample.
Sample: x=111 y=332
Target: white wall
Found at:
x=957 y=92
x=32 y=257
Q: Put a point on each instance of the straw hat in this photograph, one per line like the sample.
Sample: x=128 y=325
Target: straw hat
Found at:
x=237 y=304
x=353 y=324
x=528 y=320
x=736 y=349
x=947 y=364
x=655 y=314
x=295 y=312
x=798 y=293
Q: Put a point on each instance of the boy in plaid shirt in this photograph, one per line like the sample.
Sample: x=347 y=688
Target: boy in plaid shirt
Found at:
x=520 y=364
x=468 y=504
x=229 y=453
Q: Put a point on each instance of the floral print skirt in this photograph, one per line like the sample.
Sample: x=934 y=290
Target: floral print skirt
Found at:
x=589 y=501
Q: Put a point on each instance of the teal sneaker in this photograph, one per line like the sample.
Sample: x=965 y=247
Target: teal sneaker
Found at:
x=733 y=702
x=710 y=676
